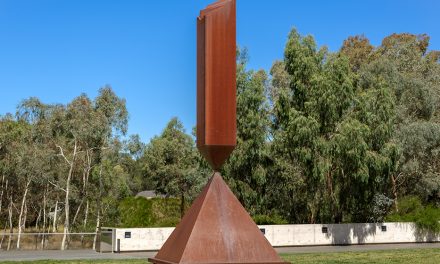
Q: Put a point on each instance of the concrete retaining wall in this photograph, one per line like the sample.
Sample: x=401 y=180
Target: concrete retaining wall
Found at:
x=144 y=239
x=345 y=234
x=141 y=239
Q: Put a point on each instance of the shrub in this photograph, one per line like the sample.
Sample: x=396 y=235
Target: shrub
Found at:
x=136 y=212
x=142 y=212
x=269 y=220
x=411 y=209
x=429 y=219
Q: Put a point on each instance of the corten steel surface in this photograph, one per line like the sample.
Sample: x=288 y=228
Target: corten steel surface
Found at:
x=216 y=229
x=216 y=83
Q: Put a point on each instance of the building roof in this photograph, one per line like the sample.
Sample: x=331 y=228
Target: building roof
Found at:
x=149 y=194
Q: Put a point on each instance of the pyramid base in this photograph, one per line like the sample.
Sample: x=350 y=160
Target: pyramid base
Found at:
x=159 y=261
x=217 y=230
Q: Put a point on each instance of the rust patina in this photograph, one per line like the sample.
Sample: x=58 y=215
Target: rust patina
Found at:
x=216 y=82
x=216 y=229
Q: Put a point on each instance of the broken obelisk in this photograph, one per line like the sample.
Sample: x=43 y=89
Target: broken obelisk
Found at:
x=216 y=82
x=216 y=229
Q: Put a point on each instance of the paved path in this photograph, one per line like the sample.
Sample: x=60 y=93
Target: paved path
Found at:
x=89 y=254
x=25 y=255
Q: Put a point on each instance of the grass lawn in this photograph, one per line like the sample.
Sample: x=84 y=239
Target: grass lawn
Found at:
x=404 y=256
x=401 y=256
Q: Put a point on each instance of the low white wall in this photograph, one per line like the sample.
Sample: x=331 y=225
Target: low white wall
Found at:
x=345 y=234
x=144 y=239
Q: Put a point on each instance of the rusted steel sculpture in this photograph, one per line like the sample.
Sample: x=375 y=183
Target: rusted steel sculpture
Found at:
x=216 y=229
x=216 y=82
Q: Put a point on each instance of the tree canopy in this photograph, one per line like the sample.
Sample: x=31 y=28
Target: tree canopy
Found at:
x=322 y=137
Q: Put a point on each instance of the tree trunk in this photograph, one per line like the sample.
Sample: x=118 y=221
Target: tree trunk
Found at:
x=54 y=228
x=11 y=227
x=86 y=175
x=97 y=229
x=77 y=212
x=4 y=190
x=394 y=190
x=98 y=220
x=86 y=215
x=182 y=205
x=66 y=210
x=44 y=218
x=66 y=201
x=1 y=193
x=37 y=227
x=20 y=217
x=85 y=220
x=3 y=236
x=25 y=215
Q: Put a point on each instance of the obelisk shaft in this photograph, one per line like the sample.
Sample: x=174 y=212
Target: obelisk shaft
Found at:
x=216 y=82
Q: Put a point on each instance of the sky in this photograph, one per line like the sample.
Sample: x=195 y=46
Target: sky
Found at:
x=146 y=50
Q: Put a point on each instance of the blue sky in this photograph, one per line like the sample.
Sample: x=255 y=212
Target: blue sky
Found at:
x=146 y=50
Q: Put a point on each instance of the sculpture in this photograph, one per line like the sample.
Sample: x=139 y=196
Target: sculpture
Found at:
x=216 y=229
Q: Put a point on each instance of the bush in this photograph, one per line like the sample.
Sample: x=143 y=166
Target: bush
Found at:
x=269 y=220
x=142 y=212
x=380 y=207
x=411 y=209
x=429 y=219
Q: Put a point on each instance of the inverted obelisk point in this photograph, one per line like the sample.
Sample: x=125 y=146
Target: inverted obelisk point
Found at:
x=217 y=229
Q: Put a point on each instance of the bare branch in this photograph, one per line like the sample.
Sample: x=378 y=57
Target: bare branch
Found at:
x=62 y=154
x=399 y=176
x=56 y=185
x=15 y=207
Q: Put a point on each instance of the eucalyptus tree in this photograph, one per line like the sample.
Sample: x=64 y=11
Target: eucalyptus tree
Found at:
x=294 y=131
x=112 y=112
x=11 y=134
x=84 y=130
x=72 y=126
x=246 y=169
x=417 y=92
x=71 y=139
x=335 y=130
x=130 y=159
x=22 y=162
x=375 y=111
x=170 y=163
x=50 y=151
x=36 y=157
x=359 y=51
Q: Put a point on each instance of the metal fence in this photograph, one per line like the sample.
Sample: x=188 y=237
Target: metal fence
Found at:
x=47 y=241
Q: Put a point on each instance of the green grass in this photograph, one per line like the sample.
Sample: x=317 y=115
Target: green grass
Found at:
x=403 y=256
x=100 y=261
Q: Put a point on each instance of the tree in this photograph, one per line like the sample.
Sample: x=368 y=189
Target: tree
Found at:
x=359 y=51
x=12 y=135
x=170 y=163
x=131 y=161
x=78 y=133
x=246 y=169
x=414 y=76
x=280 y=81
x=325 y=123
x=50 y=151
